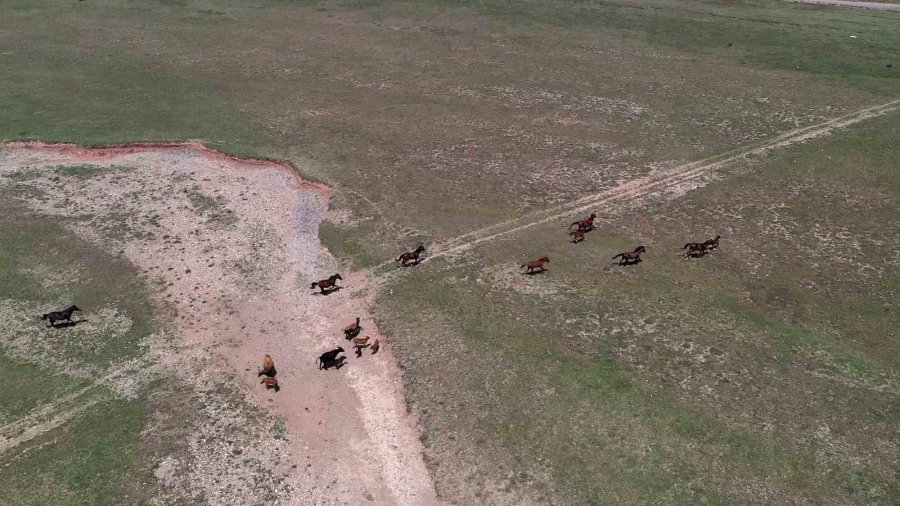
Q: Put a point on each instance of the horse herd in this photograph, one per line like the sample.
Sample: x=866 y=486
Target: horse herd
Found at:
x=336 y=358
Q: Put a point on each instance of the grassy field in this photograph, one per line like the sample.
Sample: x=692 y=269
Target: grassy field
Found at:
x=765 y=372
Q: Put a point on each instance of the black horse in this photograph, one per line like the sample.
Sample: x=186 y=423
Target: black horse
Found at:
x=631 y=257
x=60 y=316
x=328 y=358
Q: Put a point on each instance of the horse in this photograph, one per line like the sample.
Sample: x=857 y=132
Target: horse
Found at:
x=270 y=383
x=585 y=225
x=631 y=257
x=535 y=264
x=577 y=236
x=268 y=367
x=376 y=346
x=712 y=244
x=359 y=343
x=694 y=249
x=329 y=284
x=57 y=316
x=411 y=256
x=353 y=329
x=327 y=359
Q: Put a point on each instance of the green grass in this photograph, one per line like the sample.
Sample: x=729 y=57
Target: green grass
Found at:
x=593 y=429
x=81 y=464
x=28 y=386
x=98 y=279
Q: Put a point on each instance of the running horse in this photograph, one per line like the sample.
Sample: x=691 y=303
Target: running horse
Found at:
x=327 y=285
x=631 y=257
x=585 y=225
x=535 y=264
x=59 y=316
x=411 y=256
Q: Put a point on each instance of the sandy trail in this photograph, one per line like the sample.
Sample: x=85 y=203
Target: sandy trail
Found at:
x=880 y=6
x=665 y=183
x=233 y=245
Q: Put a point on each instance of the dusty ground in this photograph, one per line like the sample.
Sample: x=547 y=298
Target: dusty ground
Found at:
x=231 y=247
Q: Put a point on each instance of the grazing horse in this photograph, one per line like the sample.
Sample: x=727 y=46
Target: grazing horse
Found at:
x=694 y=249
x=270 y=383
x=535 y=264
x=328 y=358
x=352 y=330
x=577 y=235
x=712 y=244
x=268 y=367
x=376 y=346
x=327 y=284
x=58 y=316
x=585 y=225
x=411 y=256
x=631 y=257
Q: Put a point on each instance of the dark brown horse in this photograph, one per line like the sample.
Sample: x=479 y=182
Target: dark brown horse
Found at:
x=270 y=383
x=327 y=285
x=712 y=244
x=59 y=316
x=411 y=256
x=631 y=257
x=694 y=249
x=585 y=225
x=535 y=264
x=577 y=235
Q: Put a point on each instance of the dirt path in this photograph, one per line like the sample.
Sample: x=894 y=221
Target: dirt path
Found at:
x=666 y=183
x=880 y=6
x=233 y=245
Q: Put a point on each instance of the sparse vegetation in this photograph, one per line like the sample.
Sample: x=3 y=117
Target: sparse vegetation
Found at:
x=766 y=371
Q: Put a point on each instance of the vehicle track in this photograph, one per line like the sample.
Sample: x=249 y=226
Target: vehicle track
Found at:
x=674 y=181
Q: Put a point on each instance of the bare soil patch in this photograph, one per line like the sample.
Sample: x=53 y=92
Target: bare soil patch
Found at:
x=230 y=246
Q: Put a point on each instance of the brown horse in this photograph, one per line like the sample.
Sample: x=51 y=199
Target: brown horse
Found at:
x=631 y=257
x=327 y=285
x=411 y=256
x=352 y=330
x=585 y=225
x=577 y=236
x=270 y=383
x=376 y=346
x=58 y=316
x=268 y=367
x=535 y=264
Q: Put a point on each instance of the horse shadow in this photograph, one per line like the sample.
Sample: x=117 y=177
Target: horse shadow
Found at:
x=62 y=325
x=359 y=349
x=628 y=263
x=534 y=273
x=328 y=292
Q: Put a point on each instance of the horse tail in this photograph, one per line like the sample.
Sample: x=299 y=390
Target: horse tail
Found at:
x=685 y=246
x=313 y=285
x=619 y=255
x=45 y=316
x=399 y=258
x=575 y=223
x=521 y=266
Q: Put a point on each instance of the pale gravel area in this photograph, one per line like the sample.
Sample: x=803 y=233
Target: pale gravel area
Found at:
x=230 y=248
